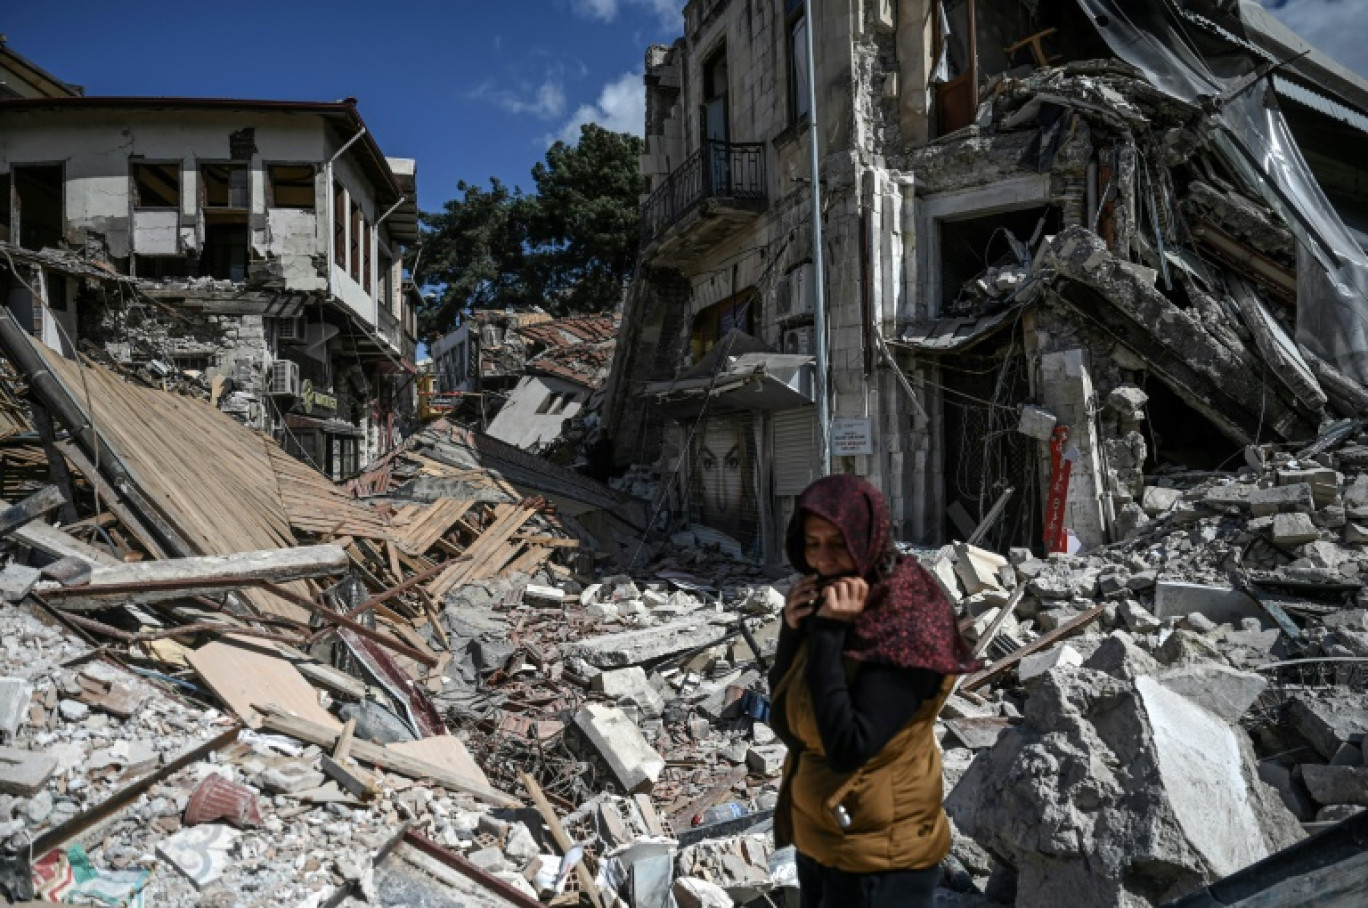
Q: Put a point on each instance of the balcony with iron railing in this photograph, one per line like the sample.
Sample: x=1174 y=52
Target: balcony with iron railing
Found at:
x=719 y=189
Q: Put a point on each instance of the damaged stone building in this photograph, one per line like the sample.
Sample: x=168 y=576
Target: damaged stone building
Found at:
x=1133 y=234
x=253 y=248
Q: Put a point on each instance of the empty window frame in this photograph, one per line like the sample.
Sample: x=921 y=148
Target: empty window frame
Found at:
x=290 y=186
x=367 y=237
x=798 y=60
x=340 y=227
x=224 y=185
x=354 y=255
x=156 y=184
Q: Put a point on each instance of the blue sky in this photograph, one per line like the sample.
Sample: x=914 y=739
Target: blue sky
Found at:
x=469 y=89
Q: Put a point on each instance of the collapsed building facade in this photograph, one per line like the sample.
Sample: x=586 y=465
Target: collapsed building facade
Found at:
x=1141 y=228
x=252 y=248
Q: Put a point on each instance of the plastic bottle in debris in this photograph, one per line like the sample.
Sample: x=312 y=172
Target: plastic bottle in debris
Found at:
x=729 y=811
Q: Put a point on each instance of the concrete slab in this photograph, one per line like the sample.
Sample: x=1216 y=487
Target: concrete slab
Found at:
x=630 y=686
x=15 y=694
x=1336 y=784
x=1294 y=498
x=1222 y=604
x=1200 y=765
x=1038 y=664
x=1225 y=691
x=645 y=644
x=1328 y=722
x=16 y=580
x=633 y=762
x=1293 y=529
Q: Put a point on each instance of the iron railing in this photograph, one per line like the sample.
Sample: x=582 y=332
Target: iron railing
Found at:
x=718 y=170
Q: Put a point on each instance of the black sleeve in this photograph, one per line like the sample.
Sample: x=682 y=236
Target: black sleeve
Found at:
x=784 y=651
x=857 y=720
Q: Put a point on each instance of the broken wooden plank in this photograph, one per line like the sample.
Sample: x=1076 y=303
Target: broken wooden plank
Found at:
x=52 y=541
x=978 y=679
x=562 y=838
x=243 y=675
x=46 y=499
x=445 y=751
x=277 y=720
x=154 y=581
x=112 y=500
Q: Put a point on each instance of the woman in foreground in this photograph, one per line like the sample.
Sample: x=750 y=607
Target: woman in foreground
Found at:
x=867 y=655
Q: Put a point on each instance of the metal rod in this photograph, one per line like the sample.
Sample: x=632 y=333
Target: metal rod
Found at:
x=818 y=271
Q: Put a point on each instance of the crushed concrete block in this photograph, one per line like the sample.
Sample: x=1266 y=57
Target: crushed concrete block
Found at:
x=1199 y=623
x=1229 y=495
x=1225 y=691
x=1039 y=663
x=1222 y=604
x=1157 y=500
x=15 y=694
x=1293 y=529
x=630 y=686
x=1146 y=794
x=633 y=762
x=767 y=759
x=17 y=580
x=288 y=778
x=977 y=568
x=520 y=846
x=1136 y=617
x=1183 y=647
x=490 y=860
x=1356 y=494
x=1037 y=422
x=943 y=569
x=1323 y=481
x=1347 y=755
x=1296 y=498
x=693 y=892
x=1336 y=784
x=644 y=644
x=24 y=772
x=1119 y=657
x=1355 y=533
x=1290 y=789
x=1328 y=722
x=1143 y=580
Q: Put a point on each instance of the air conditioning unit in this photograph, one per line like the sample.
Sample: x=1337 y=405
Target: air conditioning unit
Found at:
x=291 y=330
x=795 y=295
x=284 y=379
x=801 y=340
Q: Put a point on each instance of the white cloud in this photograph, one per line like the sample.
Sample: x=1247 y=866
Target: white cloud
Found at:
x=1333 y=26
x=545 y=101
x=621 y=107
x=669 y=12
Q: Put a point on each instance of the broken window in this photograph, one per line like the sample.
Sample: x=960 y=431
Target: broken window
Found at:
x=547 y=403
x=798 y=61
x=156 y=185
x=340 y=226
x=713 y=323
x=163 y=267
x=981 y=258
x=224 y=185
x=225 y=251
x=290 y=186
x=5 y=208
x=38 y=205
x=354 y=251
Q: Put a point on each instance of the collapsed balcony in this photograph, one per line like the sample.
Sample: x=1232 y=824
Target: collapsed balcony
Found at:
x=717 y=191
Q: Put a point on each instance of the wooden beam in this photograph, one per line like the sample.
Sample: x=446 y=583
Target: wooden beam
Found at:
x=176 y=578
x=112 y=500
x=563 y=840
x=978 y=679
x=46 y=499
x=377 y=755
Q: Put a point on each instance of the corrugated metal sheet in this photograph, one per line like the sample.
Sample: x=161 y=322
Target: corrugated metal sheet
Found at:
x=1304 y=96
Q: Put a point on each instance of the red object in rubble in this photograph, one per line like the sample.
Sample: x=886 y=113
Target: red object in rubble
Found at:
x=1056 y=536
x=218 y=798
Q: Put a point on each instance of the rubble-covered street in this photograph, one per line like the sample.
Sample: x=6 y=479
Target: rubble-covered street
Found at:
x=301 y=607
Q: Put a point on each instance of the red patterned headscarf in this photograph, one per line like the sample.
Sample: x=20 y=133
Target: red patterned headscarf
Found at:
x=907 y=620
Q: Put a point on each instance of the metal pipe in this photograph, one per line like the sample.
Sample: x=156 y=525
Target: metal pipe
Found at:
x=818 y=271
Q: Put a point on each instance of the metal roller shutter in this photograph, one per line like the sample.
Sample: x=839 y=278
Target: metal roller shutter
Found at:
x=794 y=458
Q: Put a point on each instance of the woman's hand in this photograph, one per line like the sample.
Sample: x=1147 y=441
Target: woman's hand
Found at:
x=844 y=599
x=801 y=601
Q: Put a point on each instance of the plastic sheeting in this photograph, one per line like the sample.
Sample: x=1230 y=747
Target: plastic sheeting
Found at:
x=1332 y=269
